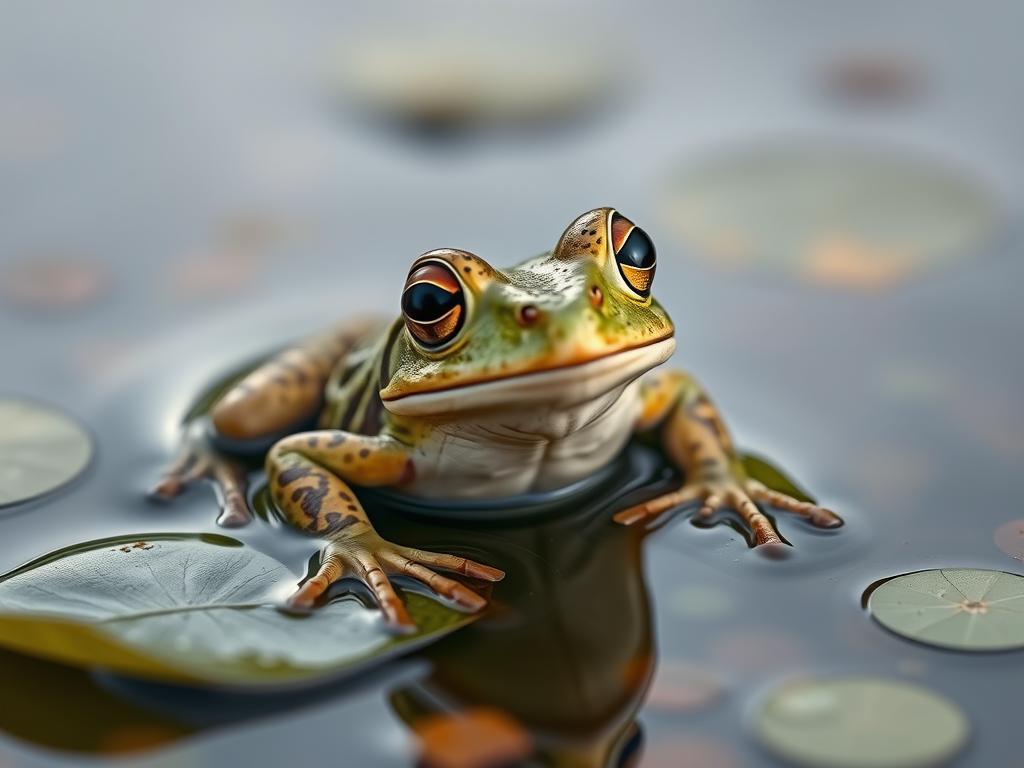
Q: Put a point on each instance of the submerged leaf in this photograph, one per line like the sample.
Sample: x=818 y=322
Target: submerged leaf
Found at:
x=967 y=609
x=762 y=470
x=40 y=450
x=860 y=723
x=193 y=608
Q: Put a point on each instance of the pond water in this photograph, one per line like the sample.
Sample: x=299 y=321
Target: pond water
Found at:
x=896 y=403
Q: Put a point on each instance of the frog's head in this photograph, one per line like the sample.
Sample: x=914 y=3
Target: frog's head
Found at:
x=561 y=329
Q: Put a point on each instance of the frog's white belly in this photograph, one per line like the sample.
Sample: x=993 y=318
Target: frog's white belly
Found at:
x=533 y=449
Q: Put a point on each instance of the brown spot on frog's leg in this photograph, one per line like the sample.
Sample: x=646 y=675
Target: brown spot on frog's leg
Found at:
x=360 y=459
x=288 y=476
x=312 y=499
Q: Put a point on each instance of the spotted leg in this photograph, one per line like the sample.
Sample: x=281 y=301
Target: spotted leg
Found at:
x=698 y=443
x=309 y=475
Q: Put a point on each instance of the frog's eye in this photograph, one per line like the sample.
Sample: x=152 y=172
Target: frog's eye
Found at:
x=434 y=304
x=634 y=253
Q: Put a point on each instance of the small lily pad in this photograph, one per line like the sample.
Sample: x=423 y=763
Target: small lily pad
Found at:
x=967 y=609
x=860 y=723
x=194 y=609
x=41 y=449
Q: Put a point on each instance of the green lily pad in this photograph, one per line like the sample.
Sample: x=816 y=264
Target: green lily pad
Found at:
x=40 y=450
x=860 y=723
x=194 y=609
x=969 y=609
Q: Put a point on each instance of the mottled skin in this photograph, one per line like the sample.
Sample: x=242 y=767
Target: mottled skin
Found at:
x=492 y=383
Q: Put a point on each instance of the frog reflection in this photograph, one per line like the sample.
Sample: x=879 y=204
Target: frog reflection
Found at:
x=566 y=652
x=490 y=384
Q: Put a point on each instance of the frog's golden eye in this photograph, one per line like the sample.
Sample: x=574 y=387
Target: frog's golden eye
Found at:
x=434 y=304
x=634 y=253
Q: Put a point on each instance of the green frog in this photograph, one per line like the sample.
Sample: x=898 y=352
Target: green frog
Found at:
x=491 y=384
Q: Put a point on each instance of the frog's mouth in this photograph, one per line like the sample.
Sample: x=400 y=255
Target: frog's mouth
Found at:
x=559 y=387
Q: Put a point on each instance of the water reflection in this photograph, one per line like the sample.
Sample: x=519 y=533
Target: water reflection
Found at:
x=567 y=652
x=565 y=655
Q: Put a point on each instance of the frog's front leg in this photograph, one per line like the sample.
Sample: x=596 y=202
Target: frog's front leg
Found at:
x=309 y=475
x=698 y=443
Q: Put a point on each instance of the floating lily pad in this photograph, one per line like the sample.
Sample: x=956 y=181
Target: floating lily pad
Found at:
x=41 y=449
x=443 y=84
x=194 y=609
x=848 y=216
x=968 y=609
x=860 y=723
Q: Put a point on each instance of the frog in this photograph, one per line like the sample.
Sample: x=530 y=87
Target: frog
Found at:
x=489 y=384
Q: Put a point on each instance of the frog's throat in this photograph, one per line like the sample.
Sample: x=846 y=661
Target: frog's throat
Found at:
x=565 y=386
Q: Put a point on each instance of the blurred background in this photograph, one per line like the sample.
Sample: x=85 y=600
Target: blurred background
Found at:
x=834 y=189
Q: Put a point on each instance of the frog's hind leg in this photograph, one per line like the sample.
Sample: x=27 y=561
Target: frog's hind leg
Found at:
x=306 y=474
x=279 y=396
x=286 y=391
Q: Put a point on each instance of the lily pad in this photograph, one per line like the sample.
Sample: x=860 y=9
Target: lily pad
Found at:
x=197 y=609
x=860 y=723
x=41 y=449
x=968 y=609
x=847 y=216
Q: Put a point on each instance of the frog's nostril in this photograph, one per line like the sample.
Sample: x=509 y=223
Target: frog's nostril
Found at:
x=596 y=296
x=528 y=315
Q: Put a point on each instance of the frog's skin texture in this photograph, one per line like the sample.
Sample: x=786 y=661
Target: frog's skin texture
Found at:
x=492 y=383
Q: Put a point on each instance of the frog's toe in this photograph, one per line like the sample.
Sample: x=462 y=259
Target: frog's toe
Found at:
x=454 y=563
x=231 y=516
x=188 y=467
x=337 y=561
x=820 y=517
x=458 y=593
x=648 y=510
x=230 y=482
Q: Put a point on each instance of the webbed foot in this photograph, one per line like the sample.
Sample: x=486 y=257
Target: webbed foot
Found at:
x=371 y=559
x=743 y=496
x=198 y=461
